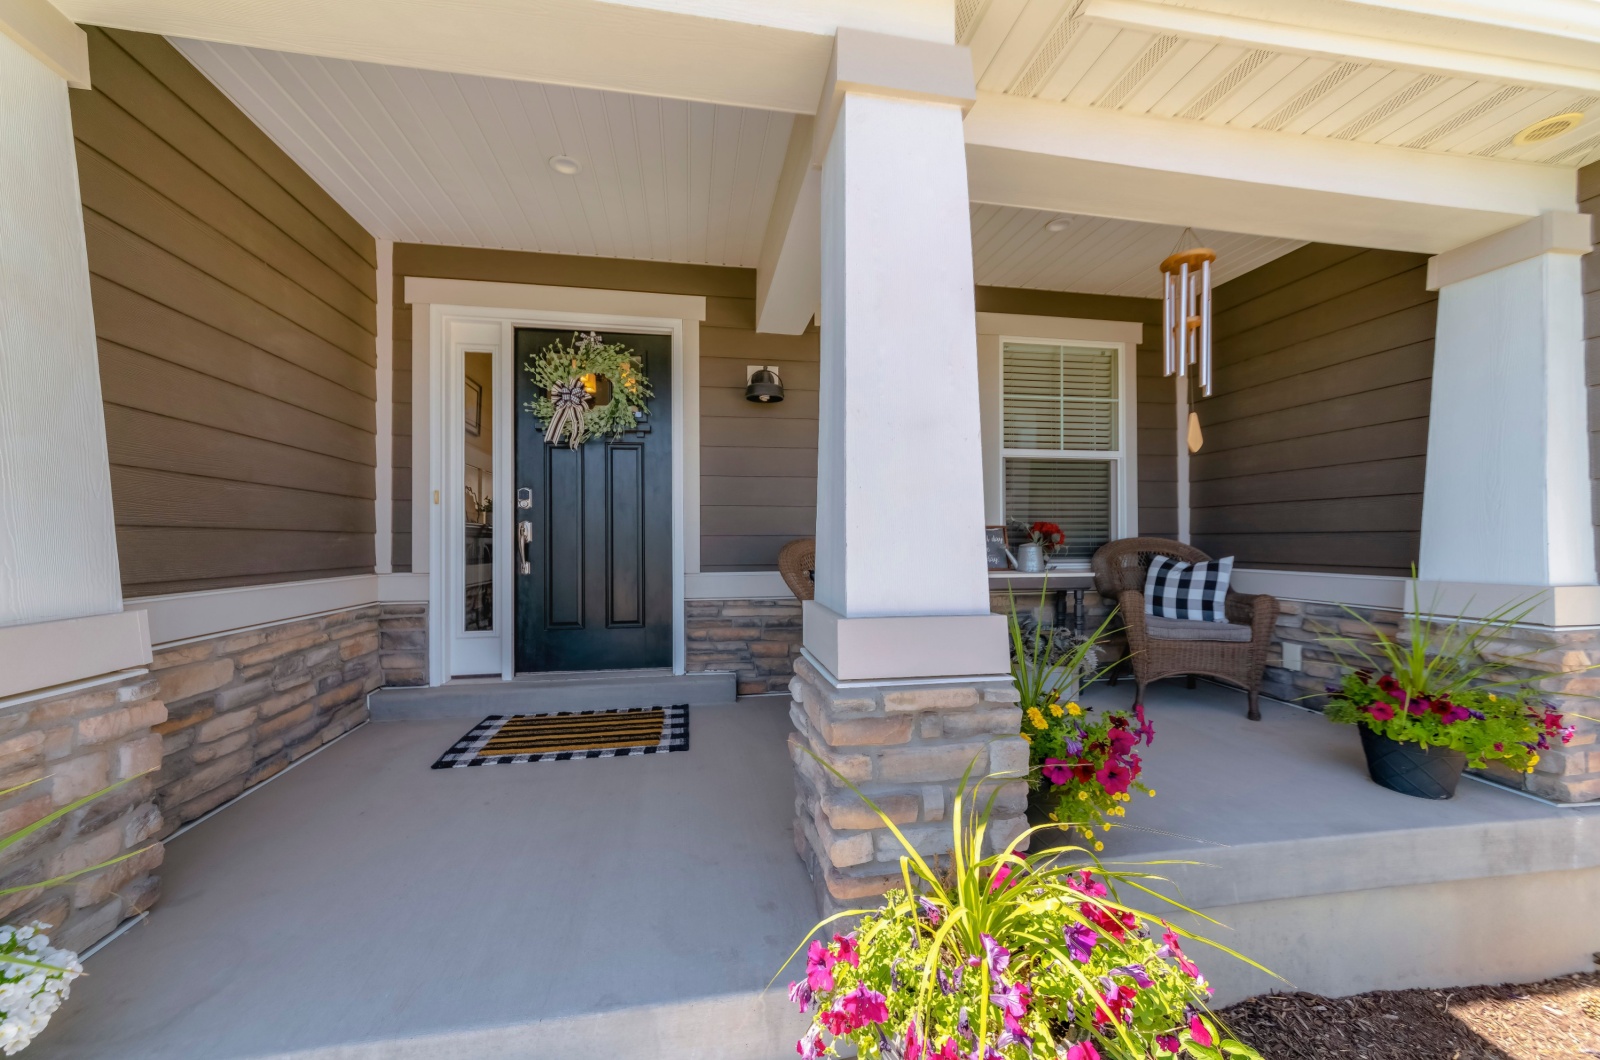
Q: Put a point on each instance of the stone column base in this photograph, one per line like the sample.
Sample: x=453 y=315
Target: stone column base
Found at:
x=905 y=746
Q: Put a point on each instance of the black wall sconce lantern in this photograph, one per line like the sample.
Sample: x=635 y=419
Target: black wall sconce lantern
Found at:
x=764 y=384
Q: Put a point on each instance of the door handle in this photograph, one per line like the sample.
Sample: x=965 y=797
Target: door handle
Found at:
x=524 y=539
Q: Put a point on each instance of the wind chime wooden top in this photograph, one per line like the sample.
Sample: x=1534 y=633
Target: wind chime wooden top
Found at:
x=1186 y=313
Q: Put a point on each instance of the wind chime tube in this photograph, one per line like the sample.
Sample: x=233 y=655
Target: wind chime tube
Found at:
x=1181 y=325
x=1205 y=328
x=1166 y=323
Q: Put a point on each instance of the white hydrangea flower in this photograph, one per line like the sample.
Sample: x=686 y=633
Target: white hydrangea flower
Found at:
x=29 y=996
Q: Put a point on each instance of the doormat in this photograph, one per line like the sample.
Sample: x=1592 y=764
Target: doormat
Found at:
x=501 y=739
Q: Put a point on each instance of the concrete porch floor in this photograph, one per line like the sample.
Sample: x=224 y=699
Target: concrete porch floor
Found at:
x=367 y=906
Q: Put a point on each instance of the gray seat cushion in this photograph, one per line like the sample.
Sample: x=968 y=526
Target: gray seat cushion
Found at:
x=1187 y=629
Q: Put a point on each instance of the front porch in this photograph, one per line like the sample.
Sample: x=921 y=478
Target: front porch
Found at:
x=367 y=906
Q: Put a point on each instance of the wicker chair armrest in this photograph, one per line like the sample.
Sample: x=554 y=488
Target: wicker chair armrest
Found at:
x=1259 y=612
x=1130 y=608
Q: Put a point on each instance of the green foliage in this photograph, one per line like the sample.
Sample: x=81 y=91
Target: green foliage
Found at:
x=1086 y=761
x=558 y=365
x=1027 y=955
x=1041 y=668
x=1443 y=683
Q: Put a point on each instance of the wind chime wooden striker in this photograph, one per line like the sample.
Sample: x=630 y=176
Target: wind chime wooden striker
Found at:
x=1186 y=313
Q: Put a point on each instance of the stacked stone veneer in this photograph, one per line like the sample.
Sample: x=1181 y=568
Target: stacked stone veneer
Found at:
x=757 y=639
x=64 y=748
x=1566 y=774
x=242 y=707
x=906 y=747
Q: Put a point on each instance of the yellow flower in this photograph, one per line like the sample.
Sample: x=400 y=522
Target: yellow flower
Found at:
x=1099 y=845
x=1025 y=736
x=1083 y=795
x=1037 y=718
x=1152 y=793
x=1493 y=698
x=1119 y=811
x=1055 y=710
x=1074 y=709
x=1053 y=817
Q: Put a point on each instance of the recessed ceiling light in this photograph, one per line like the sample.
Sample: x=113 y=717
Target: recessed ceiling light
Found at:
x=1059 y=224
x=1548 y=128
x=566 y=165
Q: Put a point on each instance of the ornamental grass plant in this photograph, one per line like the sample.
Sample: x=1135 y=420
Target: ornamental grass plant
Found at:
x=1440 y=682
x=1007 y=956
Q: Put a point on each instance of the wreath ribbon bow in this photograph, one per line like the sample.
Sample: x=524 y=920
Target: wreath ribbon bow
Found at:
x=570 y=401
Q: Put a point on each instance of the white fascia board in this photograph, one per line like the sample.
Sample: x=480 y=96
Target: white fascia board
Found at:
x=49 y=36
x=789 y=274
x=1425 y=54
x=1053 y=156
x=650 y=51
x=917 y=19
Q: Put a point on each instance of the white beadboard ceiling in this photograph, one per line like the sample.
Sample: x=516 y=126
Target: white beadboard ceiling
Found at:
x=424 y=157
x=1059 y=50
x=1097 y=255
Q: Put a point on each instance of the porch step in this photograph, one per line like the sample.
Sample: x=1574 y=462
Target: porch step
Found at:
x=532 y=693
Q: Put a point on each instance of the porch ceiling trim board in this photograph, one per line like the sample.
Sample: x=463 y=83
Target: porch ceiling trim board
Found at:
x=49 y=36
x=771 y=56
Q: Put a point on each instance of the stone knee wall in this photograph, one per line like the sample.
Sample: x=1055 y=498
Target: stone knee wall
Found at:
x=242 y=706
x=1565 y=774
x=757 y=639
x=905 y=747
x=63 y=748
x=403 y=644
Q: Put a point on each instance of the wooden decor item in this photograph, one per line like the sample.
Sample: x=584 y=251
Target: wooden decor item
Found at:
x=1186 y=313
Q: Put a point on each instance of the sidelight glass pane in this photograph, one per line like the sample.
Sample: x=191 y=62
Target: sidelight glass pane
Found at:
x=478 y=475
x=1073 y=494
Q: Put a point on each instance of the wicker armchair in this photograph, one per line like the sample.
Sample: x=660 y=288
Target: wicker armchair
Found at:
x=797 y=562
x=1163 y=648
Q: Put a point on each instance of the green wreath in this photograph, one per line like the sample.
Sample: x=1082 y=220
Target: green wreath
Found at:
x=565 y=406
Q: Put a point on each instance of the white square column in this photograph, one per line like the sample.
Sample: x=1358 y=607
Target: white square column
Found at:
x=902 y=590
x=1507 y=495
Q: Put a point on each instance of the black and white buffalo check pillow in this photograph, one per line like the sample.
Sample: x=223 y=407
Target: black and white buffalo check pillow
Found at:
x=1197 y=592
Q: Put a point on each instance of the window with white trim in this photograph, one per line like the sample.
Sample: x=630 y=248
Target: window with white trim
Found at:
x=1062 y=435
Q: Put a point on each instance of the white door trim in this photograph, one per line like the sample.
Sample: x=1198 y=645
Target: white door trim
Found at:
x=513 y=305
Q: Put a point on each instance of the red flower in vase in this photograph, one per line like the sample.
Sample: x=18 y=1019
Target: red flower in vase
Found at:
x=1047 y=534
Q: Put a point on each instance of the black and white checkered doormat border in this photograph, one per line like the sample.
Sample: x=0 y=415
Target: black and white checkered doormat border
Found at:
x=466 y=751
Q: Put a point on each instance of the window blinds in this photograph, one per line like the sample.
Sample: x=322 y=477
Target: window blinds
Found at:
x=1074 y=494
x=1059 y=397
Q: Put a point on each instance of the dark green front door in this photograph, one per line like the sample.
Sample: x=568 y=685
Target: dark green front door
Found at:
x=597 y=592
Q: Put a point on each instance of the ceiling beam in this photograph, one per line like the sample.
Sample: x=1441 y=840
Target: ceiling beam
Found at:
x=789 y=276
x=1052 y=156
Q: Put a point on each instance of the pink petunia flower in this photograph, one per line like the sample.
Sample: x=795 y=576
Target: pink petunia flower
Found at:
x=1114 y=777
x=810 y=1047
x=819 y=967
x=1171 y=942
x=1056 y=771
x=1012 y=1000
x=1199 y=1030
x=800 y=994
x=1123 y=741
x=999 y=878
x=863 y=1006
x=1085 y=883
x=1169 y=1042
x=916 y=1045
x=999 y=956
x=1083 y=1051
x=847 y=950
x=1380 y=711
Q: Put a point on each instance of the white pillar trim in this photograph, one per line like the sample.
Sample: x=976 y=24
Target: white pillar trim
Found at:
x=897 y=67
x=1552 y=232
x=383 y=439
x=49 y=36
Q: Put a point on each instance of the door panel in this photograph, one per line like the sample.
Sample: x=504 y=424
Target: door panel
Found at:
x=598 y=594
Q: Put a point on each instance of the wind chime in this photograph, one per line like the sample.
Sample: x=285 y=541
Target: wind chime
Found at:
x=1186 y=321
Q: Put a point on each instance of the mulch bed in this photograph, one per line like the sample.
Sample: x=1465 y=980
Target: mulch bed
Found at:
x=1558 y=1019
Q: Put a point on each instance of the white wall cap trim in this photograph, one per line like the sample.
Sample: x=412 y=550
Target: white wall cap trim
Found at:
x=48 y=36
x=41 y=655
x=736 y=585
x=1387 y=592
x=403 y=588
x=906 y=647
x=880 y=64
x=1552 y=232
x=1067 y=329
x=539 y=298
x=179 y=617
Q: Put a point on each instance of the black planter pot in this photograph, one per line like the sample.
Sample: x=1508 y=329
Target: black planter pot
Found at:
x=1427 y=773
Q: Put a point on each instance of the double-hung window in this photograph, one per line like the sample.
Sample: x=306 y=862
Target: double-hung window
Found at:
x=1064 y=440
